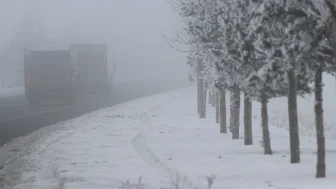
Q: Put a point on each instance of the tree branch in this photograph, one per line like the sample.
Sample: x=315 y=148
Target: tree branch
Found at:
x=169 y=42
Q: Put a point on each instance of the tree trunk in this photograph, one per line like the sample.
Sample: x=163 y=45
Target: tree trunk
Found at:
x=293 y=120
x=205 y=89
x=214 y=97
x=235 y=111
x=222 y=111
x=264 y=125
x=231 y=110
x=201 y=88
x=217 y=107
x=198 y=75
x=198 y=97
x=248 y=138
x=210 y=97
x=202 y=99
x=321 y=166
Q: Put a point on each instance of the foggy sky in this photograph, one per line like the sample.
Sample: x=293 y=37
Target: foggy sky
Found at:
x=130 y=27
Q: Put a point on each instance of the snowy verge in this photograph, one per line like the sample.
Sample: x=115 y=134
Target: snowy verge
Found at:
x=90 y=148
x=196 y=149
x=278 y=114
x=161 y=139
x=15 y=91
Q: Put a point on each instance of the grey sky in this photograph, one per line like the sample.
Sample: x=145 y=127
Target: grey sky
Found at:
x=130 y=27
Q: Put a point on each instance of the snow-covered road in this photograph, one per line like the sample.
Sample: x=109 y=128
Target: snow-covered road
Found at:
x=161 y=140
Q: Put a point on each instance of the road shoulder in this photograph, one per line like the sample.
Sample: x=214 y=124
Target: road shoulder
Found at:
x=75 y=151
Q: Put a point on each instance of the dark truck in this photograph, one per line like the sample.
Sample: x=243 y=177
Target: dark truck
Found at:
x=91 y=63
x=49 y=76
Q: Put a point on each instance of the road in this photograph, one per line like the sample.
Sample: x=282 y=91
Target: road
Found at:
x=18 y=119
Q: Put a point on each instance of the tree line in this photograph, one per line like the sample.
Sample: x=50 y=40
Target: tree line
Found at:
x=263 y=49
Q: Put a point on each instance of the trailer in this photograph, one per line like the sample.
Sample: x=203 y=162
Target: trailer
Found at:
x=91 y=63
x=49 y=76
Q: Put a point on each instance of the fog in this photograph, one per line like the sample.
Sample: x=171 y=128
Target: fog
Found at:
x=130 y=28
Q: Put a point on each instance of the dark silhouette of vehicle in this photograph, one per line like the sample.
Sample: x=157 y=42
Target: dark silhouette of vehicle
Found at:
x=91 y=63
x=49 y=75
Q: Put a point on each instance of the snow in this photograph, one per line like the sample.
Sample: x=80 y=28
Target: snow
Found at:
x=15 y=91
x=161 y=138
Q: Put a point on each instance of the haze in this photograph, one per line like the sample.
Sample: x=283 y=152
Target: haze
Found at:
x=130 y=28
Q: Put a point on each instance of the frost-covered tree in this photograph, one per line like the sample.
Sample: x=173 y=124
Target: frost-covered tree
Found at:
x=300 y=27
x=218 y=30
x=201 y=36
x=210 y=34
x=197 y=73
x=267 y=49
x=322 y=59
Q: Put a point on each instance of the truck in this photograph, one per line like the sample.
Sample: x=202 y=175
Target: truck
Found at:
x=91 y=63
x=49 y=76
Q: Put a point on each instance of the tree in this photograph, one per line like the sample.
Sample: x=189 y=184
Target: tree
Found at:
x=222 y=31
x=266 y=49
x=322 y=59
x=196 y=24
x=223 y=49
x=246 y=61
x=303 y=26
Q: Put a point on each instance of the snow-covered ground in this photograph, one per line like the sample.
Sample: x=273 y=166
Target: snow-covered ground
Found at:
x=15 y=91
x=160 y=139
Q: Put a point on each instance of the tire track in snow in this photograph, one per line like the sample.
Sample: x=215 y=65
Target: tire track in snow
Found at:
x=22 y=164
x=42 y=160
x=48 y=167
x=139 y=143
x=31 y=159
x=48 y=157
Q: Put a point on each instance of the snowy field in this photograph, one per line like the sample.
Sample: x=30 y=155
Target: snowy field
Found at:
x=161 y=140
x=15 y=91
